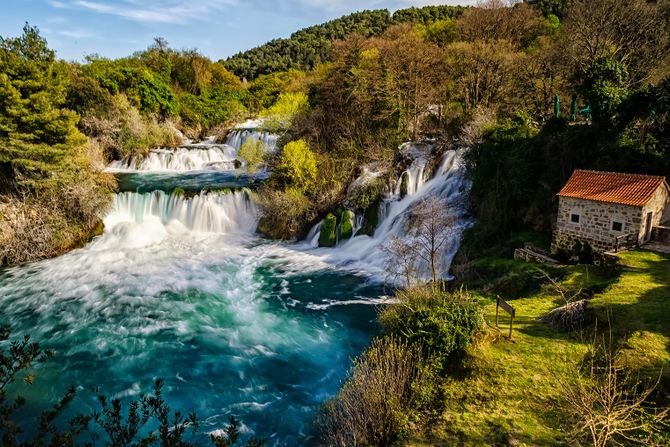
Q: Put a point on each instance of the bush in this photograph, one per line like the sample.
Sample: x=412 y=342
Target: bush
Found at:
x=284 y=213
x=281 y=115
x=374 y=404
x=297 y=166
x=443 y=323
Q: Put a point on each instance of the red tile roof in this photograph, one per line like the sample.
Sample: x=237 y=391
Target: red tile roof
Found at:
x=612 y=187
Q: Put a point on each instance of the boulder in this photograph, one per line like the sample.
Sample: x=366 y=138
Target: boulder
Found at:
x=327 y=237
x=347 y=225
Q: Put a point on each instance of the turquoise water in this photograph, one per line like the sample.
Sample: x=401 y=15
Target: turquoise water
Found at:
x=234 y=325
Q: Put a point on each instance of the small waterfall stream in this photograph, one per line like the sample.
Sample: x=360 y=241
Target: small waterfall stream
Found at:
x=449 y=183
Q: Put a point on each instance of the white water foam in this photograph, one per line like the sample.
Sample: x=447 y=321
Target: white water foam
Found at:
x=448 y=183
x=187 y=158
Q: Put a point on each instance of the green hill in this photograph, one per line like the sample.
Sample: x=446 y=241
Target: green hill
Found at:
x=311 y=46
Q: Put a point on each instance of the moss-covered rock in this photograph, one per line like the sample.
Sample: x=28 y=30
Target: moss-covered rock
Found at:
x=347 y=225
x=178 y=192
x=404 y=184
x=328 y=238
x=370 y=219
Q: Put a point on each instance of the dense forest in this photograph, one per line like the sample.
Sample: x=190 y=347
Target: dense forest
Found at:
x=309 y=47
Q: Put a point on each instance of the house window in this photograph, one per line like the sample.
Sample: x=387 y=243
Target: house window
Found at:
x=575 y=218
x=617 y=226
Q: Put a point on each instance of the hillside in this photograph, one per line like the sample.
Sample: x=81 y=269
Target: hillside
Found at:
x=309 y=47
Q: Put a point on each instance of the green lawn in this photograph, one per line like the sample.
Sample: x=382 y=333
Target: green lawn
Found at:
x=509 y=392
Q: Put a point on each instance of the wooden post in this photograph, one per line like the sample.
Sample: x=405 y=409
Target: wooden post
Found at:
x=507 y=308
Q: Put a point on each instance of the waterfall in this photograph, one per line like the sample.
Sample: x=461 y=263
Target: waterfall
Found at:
x=205 y=213
x=192 y=157
x=449 y=183
x=237 y=137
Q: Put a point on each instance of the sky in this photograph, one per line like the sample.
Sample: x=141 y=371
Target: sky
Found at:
x=217 y=28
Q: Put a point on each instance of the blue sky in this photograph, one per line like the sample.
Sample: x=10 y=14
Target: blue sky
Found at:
x=218 y=28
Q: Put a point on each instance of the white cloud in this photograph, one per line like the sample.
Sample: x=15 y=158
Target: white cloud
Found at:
x=150 y=11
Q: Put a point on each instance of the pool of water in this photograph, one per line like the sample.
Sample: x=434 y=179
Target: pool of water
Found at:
x=235 y=325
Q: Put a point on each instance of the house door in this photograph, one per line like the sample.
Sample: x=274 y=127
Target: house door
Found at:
x=648 y=228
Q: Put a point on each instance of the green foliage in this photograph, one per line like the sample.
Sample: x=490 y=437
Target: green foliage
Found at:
x=347 y=225
x=297 y=166
x=443 y=323
x=282 y=113
x=605 y=86
x=505 y=168
x=328 y=234
x=365 y=196
x=253 y=153
x=442 y=32
x=309 y=47
x=306 y=48
x=147 y=421
x=375 y=404
x=32 y=92
x=146 y=89
x=558 y=8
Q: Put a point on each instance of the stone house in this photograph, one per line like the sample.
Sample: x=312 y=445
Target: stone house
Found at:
x=611 y=210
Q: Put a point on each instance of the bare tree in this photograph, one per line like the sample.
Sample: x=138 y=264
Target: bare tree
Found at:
x=431 y=226
x=608 y=403
x=632 y=32
x=401 y=259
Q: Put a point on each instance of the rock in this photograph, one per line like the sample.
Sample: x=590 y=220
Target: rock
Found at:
x=370 y=219
x=571 y=316
x=347 y=225
x=328 y=238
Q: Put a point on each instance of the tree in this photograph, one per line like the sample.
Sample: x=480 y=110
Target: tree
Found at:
x=632 y=33
x=559 y=8
x=414 y=74
x=282 y=113
x=32 y=90
x=401 y=260
x=483 y=72
x=608 y=404
x=605 y=86
x=432 y=229
x=297 y=166
x=496 y=20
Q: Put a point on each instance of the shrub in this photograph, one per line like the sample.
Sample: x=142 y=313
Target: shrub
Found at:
x=297 y=166
x=374 y=404
x=283 y=212
x=443 y=323
x=281 y=115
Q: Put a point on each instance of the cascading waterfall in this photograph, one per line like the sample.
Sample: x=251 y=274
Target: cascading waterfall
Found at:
x=238 y=137
x=186 y=158
x=233 y=212
x=448 y=183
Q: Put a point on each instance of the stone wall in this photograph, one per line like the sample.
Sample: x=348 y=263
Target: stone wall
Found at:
x=661 y=234
x=595 y=223
x=659 y=205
